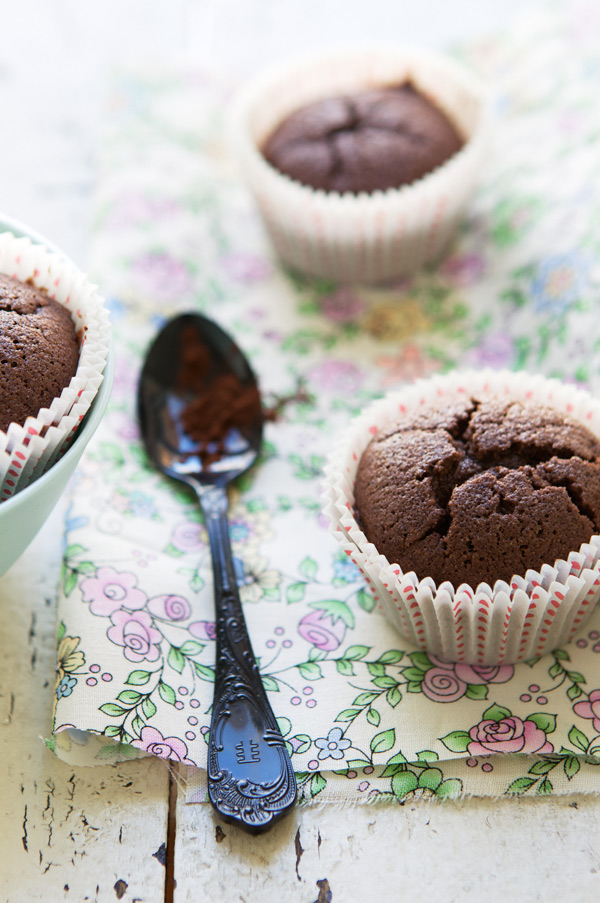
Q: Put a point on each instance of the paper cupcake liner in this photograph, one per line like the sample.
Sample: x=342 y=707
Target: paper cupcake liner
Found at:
x=28 y=450
x=508 y=622
x=365 y=238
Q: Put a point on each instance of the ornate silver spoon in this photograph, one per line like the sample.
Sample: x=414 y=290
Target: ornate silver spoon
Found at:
x=201 y=420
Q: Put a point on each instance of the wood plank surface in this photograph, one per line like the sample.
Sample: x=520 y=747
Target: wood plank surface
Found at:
x=462 y=852
x=66 y=834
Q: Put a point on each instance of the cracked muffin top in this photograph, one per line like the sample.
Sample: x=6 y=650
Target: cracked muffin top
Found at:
x=479 y=491
x=367 y=141
x=39 y=351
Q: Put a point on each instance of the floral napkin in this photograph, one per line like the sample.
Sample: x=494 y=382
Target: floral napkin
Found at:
x=365 y=717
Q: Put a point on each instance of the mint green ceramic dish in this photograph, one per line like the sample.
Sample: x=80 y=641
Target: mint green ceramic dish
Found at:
x=23 y=515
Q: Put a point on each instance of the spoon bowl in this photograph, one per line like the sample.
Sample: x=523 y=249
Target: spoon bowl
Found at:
x=164 y=397
x=201 y=419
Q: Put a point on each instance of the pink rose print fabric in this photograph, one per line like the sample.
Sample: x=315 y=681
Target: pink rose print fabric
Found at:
x=108 y=591
x=510 y=735
x=134 y=631
x=590 y=708
x=320 y=629
x=365 y=717
x=152 y=741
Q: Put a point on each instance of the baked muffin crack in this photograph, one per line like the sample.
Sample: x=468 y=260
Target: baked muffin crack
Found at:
x=484 y=486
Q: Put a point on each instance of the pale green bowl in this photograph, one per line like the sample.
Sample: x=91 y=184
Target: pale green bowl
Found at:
x=23 y=515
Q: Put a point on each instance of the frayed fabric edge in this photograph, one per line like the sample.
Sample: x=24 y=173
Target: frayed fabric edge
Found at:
x=422 y=798
x=184 y=778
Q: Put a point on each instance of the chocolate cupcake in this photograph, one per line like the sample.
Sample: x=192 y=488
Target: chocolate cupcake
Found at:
x=471 y=503
x=362 y=161
x=479 y=491
x=39 y=350
x=54 y=341
x=363 y=142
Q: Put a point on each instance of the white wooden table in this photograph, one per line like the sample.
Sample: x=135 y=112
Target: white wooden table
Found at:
x=122 y=832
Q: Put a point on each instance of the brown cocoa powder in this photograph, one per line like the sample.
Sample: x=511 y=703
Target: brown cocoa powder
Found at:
x=221 y=400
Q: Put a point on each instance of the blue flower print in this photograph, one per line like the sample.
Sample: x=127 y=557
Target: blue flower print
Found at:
x=559 y=283
x=66 y=686
x=345 y=571
x=333 y=745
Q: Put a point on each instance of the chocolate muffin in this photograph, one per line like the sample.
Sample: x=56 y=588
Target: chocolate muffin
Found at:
x=39 y=351
x=363 y=142
x=479 y=491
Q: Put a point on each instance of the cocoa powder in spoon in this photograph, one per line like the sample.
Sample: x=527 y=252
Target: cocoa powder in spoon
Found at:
x=221 y=400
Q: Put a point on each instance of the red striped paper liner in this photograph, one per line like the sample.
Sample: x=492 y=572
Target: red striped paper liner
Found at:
x=489 y=624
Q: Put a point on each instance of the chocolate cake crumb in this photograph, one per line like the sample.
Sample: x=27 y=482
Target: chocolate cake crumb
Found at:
x=480 y=491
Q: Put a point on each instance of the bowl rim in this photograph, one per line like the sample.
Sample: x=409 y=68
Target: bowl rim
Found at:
x=97 y=408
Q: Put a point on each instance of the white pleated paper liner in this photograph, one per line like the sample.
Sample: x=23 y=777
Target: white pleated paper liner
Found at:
x=366 y=238
x=28 y=450
x=490 y=625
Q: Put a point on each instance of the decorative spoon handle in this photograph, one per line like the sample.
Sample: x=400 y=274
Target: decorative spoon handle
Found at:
x=251 y=781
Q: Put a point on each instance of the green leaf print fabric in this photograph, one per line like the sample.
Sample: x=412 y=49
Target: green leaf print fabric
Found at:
x=365 y=717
